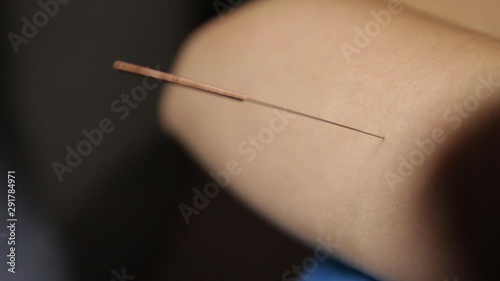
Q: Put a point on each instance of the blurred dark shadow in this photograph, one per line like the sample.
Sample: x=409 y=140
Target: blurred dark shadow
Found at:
x=467 y=192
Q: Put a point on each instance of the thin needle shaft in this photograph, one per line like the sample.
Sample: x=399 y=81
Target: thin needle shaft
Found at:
x=309 y=116
x=144 y=71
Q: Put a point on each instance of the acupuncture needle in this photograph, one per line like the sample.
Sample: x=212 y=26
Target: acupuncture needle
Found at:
x=145 y=71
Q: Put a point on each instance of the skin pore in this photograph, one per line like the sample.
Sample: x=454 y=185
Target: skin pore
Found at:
x=422 y=84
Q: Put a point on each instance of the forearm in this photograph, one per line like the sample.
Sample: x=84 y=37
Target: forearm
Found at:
x=318 y=180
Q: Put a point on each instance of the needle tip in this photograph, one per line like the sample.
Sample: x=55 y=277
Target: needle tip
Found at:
x=380 y=137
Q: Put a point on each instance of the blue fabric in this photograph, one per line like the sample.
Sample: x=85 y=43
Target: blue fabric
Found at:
x=332 y=269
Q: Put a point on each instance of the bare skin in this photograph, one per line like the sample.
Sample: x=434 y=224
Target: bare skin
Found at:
x=409 y=84
x=481 y=15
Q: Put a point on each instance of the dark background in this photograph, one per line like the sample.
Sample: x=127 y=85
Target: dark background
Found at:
x=119 y=207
